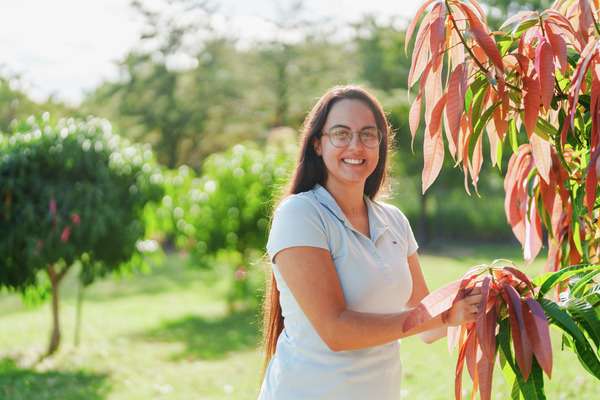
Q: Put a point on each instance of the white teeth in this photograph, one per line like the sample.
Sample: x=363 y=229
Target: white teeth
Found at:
x=353 y=161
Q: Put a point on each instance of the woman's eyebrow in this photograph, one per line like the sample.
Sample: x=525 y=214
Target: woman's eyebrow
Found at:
x=347 y=127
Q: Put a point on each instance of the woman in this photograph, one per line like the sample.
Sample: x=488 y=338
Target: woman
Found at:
x=345 y=271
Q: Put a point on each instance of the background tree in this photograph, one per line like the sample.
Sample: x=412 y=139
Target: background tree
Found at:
x=72 y=191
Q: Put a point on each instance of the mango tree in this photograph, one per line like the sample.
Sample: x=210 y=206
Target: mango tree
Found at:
x=71 y=191
x=534 y=88
x=222 y=216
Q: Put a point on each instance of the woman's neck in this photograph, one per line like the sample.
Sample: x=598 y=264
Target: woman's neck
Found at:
x=349 y=198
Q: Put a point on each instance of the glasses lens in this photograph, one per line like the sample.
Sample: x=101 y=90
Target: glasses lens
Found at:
x=370 y=137
x=340 y=136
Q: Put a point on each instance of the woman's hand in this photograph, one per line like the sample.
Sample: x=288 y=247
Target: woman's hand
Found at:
x=464 y=310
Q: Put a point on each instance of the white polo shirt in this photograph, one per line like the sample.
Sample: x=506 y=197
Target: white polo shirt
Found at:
x=375 y=278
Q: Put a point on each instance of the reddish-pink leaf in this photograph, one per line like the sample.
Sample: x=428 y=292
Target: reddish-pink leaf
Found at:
x=485 y=372
x=541 y=150
x=521 y=343
x=433 y=150
x=486 y=338
x=477 y=161
x=531 y=102
x=471 y=357
x=533 y=234
x=521 y=276
x=591 y=181
x=432 y=305
x=414 y=21
x=414 y=118
x=538 y=332
x=494 y=140
x=435 y=122
x=544 y=64
x=518 y=17
x=578 y=77
x=559 y=47
x=483 y=37
x=420 y=53
x=460 y=364
x=453 y=336
x=455 y=102
x=437 y=35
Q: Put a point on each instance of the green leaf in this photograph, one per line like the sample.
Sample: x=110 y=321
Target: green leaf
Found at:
x=478 y=101
x=523 y=26
x=551 y=279
x=482 y=121
x=583 y=349
x=582 y=283
x=545 y=130
x=530 y=389
x=587 y=317
x=512 y=135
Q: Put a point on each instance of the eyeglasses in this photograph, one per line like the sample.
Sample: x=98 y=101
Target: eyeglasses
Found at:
x=341 y=137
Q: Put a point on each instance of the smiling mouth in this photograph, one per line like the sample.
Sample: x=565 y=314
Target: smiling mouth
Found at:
x=353 y=161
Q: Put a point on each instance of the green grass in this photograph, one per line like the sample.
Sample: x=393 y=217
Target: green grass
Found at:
x=167 y=335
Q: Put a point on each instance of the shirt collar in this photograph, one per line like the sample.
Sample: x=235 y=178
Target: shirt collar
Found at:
x=377 y=224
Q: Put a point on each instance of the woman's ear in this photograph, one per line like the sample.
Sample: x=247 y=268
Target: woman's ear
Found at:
x=317 y=146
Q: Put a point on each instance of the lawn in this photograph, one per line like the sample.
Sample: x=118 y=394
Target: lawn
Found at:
x=166 y=335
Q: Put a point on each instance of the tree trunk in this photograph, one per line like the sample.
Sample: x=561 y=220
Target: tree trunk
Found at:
x=78 y=312
x=55 y=333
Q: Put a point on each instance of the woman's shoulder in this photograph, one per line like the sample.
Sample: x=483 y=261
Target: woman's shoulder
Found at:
x=298 y=204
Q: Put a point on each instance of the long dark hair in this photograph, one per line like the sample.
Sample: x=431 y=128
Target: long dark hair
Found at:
x=311 y=170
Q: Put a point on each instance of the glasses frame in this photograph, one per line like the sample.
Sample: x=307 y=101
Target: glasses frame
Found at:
x=328 y=133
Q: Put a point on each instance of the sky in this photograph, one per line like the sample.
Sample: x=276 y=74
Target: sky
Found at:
x=65 y=48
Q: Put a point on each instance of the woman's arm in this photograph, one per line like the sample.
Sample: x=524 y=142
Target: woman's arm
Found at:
x=310 y=274
x=419 y=292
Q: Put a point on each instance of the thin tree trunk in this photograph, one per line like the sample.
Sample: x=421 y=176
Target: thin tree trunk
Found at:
x=55 y=333
x=78 y=312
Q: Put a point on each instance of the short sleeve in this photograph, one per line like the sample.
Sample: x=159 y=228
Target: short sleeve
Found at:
x=411 y=242
x=296 y=222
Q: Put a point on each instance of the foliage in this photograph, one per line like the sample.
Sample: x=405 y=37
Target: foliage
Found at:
x=72 y=191
x=513 y=309
x=222 y=216
x=534 y=87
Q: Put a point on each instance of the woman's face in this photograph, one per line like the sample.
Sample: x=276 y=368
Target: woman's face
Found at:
x=341 y=162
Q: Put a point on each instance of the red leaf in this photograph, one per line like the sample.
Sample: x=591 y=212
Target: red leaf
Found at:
x=455 y=102
x=538 y=332
x=414 y=21
x=541 y=150
x=483 y=37
x=435 y=122
x=533 y=234
x=460 y=363
x=486 y=337
x=544 y=65
x=521 y=343
x=432 y=305
x=591 y=181
x=420 y=52
x=485 y=373
x=559 y=47
x=521 y=276
x=531 y=102
x=433 y=148
x=414 y=117
x=578 y=77
x=477 y=161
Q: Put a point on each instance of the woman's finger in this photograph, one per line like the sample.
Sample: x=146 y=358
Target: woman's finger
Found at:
x=473 y=299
